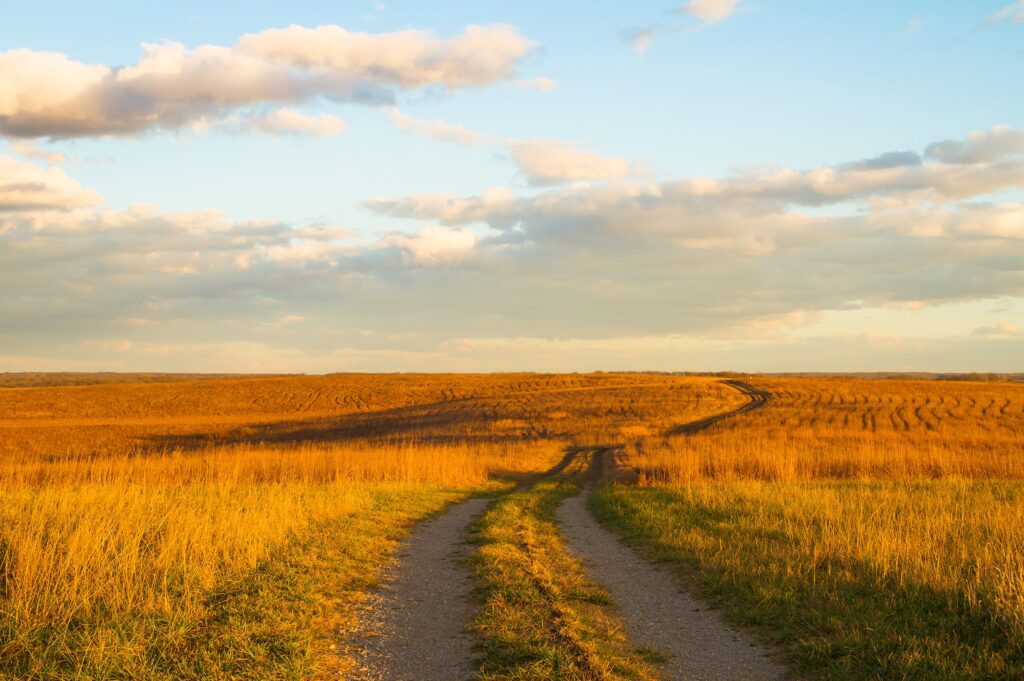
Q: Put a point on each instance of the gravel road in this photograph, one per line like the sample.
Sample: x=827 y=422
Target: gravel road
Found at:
x=659 y=614
x=414 y=628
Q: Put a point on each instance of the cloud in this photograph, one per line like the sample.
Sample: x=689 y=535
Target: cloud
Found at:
x=172 y=86
x=28 y=149
x=450 y=208
x=892 y=159
x=1000 y=329
x=288 y=121
x=895 y=230
x=542 y=84
x=435 y=129
x=27 y=186
x=757 y=256
x=434 y=245
x=480 y=55
x=979 y=147
x=551 y=162
x=711 y=11
x=639 y=38
x=1014 y=12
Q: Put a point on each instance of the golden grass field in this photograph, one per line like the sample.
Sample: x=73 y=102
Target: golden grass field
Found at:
x=228 y=527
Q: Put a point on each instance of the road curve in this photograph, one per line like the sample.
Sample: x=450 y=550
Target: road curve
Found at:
x=758 y=399
x=659 y=613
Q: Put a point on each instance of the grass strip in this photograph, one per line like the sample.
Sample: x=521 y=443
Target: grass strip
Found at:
x=542 y=618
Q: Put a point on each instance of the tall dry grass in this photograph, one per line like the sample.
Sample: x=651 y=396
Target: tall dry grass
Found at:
x=93 y=548
x=861 y=580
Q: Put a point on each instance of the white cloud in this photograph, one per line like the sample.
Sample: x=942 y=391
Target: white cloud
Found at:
x=542 y=84
x=436 y=129
x=751 y=257
x=979 y=147
x=711 y=11
x=449 y=208
x=551 y=161
x=173 y=86
x=27 y=186
x=480 y=55
x=291 y=122
x=435 y=245
x=29 y=149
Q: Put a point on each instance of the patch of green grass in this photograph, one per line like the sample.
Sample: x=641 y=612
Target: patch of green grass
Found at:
x=856 y=580
x=542 y=618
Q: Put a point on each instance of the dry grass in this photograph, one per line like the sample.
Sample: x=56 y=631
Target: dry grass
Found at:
x=873 y=526
x=126 y=508
x=90 y=545
x=858 y=580
x=225 y=527
x=844 y=429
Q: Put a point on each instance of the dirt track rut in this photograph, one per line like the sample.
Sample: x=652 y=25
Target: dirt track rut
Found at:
x=659 y=614
x=415 y=629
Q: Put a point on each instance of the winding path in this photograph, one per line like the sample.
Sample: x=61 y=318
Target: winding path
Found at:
x=658 y=613
x=415 y=627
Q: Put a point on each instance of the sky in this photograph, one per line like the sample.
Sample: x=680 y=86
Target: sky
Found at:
x=750 y=185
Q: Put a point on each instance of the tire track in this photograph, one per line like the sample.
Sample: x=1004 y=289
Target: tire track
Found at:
x=658 y=613
x=414 y=628
x=758 y=399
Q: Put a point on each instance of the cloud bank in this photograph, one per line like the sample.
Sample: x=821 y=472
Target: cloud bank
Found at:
x=752 y=257
x=173 y=86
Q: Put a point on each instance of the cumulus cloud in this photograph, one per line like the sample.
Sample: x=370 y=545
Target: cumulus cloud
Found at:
x=436 y=129
x=29 y=149
x=288 y=121
x=983 y=146
x=711 y=11
x=27 y=186
x=892 y=230
x=449 y=208
x=542 y=84
x=434 y=245
x=894 y=183
x=551 y=161
x=172 y=86
x=756 y=255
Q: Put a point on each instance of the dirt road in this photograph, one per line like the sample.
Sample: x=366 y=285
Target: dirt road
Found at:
x=415 y=629
x=757 y=399
x=659 y=614
x=416 y=626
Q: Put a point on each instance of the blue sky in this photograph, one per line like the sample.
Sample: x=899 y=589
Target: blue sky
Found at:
x=599 y=263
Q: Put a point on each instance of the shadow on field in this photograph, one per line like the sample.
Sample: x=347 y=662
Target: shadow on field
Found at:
x=446 y=422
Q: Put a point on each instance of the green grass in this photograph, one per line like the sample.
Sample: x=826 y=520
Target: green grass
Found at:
x=856 y=580
x=284 y=620
x=542 y=618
